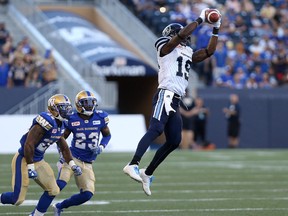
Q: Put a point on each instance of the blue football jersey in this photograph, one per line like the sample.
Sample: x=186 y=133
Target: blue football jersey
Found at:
x=52 y=135
x=86 y=134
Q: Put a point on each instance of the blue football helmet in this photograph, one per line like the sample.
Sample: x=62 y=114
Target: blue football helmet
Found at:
x=60 y=107
x=85 y=102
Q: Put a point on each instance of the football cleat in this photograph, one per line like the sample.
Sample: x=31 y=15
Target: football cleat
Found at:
x=60 y=107
x=133 y=172
x=85 y=103
x=57 y=211
x=146 y=182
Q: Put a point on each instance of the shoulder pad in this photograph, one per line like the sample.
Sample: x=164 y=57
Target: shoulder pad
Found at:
x=103 y=115
x=45 y=120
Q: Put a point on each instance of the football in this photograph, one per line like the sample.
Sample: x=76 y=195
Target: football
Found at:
x=212 y=16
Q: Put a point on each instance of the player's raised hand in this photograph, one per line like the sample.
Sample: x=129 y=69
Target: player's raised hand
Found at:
x=31 y=171
x=218 y=23
x=202 y=14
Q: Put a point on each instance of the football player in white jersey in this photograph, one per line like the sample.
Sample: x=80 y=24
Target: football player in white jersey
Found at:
x=174 y=59
x=28 y=163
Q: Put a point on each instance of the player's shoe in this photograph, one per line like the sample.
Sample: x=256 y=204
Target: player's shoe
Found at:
x=0 y=198
x=146 y=182
x=57 y=211
x=133 y=172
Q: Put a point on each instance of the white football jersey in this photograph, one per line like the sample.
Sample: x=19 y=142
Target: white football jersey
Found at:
x=174 y=67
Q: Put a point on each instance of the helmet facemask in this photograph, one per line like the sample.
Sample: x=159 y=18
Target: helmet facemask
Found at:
x=87 y=105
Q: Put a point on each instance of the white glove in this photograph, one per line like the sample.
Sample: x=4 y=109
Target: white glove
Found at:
x=218 y=23
x=202 y=14
x=168 y=96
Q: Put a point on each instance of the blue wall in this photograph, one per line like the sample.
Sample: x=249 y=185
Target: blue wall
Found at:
x=13 y=96
x=264 y=117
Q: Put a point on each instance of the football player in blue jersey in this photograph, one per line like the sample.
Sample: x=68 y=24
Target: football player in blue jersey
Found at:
x=174 y=60
x=87 y=126
x=28 y=163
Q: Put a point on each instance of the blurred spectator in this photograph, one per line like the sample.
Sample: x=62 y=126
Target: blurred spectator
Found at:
x=200 y=113
x=267 y=11
x=232 y=114
x=4 y=69
x=280 y=64
x=186 y=105
x=18 y=74
x=49 y=73
x=247 y=6
x=4 y=34
x=219 y=60
x=251 y=82
x=178 y=16
x=234 y=5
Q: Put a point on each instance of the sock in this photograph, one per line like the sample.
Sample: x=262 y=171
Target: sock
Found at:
x=44 y=202
x=61 y=184
x=8 y=198
x=75 y=200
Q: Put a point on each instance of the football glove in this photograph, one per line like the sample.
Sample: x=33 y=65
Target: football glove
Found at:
x=202 y=14
x=218 y=23
x=168 y=96
x=98 y=150
x=77 y=170
x=31 y=171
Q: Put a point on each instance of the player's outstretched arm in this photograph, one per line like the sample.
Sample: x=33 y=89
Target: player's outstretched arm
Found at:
x=202 y=54
x=183 y=34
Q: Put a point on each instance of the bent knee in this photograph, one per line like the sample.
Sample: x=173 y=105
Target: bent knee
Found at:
x=54 y=191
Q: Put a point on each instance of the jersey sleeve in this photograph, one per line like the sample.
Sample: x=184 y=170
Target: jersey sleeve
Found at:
x=161 y=42
x=44 y=120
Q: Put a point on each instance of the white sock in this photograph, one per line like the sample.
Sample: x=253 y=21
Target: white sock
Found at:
x=37 y=213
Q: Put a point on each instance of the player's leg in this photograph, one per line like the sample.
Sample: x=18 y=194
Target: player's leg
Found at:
x=20 y=182
x=85 y=183
x=155 y=129
x=47 y=181
x=173 y=130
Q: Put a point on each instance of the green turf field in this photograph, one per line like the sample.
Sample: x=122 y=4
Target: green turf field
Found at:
x=219 y=183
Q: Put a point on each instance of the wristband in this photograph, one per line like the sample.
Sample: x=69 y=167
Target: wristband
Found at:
x=105 y=140
x=199 y=20
x=215 y=31
x=72 y=163
x=31 y=166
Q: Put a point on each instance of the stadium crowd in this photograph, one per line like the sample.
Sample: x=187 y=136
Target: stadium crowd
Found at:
x=253 y=48
x=21 y=65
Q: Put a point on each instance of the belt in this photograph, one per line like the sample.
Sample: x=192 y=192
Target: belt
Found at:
x=175 y=95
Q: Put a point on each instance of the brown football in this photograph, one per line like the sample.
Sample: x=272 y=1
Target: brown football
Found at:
x=212 y=16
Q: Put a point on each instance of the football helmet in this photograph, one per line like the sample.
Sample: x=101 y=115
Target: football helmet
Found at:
x=172 y=30
x=60 y=107
x=85 y=102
